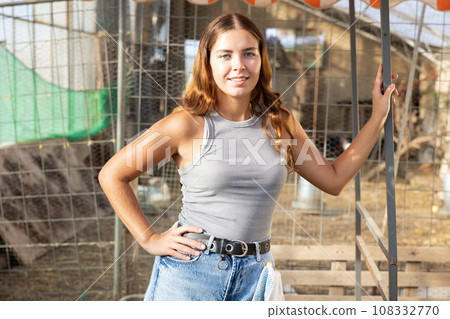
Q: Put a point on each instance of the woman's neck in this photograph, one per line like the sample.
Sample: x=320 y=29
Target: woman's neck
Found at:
x=234 y=109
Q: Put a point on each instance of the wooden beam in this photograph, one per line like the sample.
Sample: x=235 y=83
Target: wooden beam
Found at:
x=414 y=267
x=339 y=266
x=347 y=253
x=373 y=268
x=351 y=298
x=3 y=261
x=340 y=278
x=374 y=229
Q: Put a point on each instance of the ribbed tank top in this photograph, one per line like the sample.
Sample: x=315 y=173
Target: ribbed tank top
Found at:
x=226 y=186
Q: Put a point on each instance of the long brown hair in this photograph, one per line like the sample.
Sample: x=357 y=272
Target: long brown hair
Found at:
x=201 y=94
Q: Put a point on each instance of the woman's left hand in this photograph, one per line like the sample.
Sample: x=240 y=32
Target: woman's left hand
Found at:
x=380 y=101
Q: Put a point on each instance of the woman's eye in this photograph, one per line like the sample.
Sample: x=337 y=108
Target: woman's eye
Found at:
x=250 y=54
x=225 y=56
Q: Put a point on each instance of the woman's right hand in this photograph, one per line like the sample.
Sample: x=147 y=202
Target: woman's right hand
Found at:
x=172 y=243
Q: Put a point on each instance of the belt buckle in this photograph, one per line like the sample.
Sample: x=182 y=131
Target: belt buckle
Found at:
x=244 y=248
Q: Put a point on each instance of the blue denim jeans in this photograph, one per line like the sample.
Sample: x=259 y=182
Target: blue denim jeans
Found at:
x=201 y=279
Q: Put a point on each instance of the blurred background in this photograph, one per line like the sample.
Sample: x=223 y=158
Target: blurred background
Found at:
x=67 y=77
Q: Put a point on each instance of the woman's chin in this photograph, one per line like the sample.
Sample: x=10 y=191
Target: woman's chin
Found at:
x=238 y=93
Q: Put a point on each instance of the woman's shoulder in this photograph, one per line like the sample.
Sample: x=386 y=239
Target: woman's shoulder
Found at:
x=180 y=123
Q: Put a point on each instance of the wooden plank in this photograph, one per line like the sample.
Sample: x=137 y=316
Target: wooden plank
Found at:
x=373 y=268
x=320 y=278
x=329 y=298
x=3 y=261
x=424 y=254
x=341 y=278
x=347 y=253
x=99 y=52
x=18 y=242
x=339 y=266
x=411 y=267
x=315 y=252
x=352 y=298
x=424 y=279
x=30 y=237
x=374 y=229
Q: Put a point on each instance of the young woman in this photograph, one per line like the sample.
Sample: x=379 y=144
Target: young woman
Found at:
x=233 y=143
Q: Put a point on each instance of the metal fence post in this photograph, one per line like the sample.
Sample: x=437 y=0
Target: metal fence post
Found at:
x=355 y=120
x=118 y=229
x=389 y=145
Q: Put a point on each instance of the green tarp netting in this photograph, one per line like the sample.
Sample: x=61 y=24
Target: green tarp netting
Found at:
x=32 y=109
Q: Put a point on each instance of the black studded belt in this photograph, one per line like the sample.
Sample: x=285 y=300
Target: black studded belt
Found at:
x=235 y=248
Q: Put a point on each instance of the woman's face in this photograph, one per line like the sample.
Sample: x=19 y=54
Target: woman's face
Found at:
x=235 y=62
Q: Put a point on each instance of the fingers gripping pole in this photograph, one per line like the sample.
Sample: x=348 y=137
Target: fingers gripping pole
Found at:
x=389 y=145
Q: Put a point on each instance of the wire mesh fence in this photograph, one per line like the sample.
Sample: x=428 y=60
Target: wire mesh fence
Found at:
x=58 y=101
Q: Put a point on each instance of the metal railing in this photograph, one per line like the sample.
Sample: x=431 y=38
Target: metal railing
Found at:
x=389 y=247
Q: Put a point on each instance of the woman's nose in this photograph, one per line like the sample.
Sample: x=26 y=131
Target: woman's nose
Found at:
x=237 y=64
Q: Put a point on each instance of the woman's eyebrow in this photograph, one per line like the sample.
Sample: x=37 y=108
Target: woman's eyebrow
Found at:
x=228 y=50
x=224 y=50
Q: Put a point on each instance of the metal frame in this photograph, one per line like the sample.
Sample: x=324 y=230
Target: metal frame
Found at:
x=118 y=229
x=389 y=247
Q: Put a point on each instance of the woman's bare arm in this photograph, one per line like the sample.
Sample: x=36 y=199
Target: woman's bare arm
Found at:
x=156 y=145
x=333 y=177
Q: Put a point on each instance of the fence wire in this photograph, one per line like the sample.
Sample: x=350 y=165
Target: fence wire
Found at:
x=58 y=103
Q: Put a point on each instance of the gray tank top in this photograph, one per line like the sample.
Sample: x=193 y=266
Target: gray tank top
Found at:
x=226 y=186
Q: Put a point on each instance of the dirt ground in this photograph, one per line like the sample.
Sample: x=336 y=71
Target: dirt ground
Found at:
x=70 y=269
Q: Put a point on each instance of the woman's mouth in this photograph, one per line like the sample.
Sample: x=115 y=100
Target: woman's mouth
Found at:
x=238 y=80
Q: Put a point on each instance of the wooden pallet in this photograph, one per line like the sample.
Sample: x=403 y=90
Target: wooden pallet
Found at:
x=413 y=262
x=44 y=207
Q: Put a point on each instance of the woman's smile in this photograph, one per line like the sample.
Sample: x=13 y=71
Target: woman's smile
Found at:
x=236 y=63
x=238 y=80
